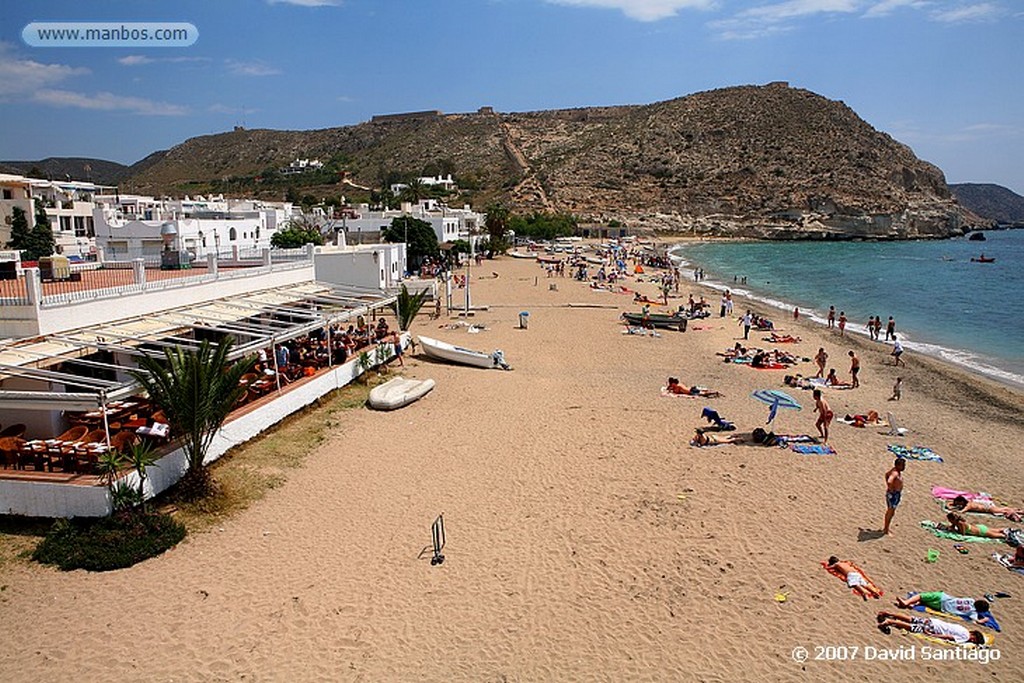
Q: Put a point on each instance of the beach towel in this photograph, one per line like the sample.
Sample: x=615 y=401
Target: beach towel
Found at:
x=813 y=449
x=870 y=584
x=1006 y=560
x=784 y=440
x=943 y=532
x=991 y=623
x=949 y=494
x=915 y=453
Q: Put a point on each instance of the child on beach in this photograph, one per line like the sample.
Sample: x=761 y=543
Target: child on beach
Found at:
x=893 y=491
x=897 y=390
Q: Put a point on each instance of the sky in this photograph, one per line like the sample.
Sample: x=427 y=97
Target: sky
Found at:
x=942 y=76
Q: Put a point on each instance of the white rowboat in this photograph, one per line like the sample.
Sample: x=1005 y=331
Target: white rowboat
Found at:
x=439 y=350
x=399 y=392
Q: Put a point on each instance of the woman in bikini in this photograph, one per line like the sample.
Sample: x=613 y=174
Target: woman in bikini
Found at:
x=702 y=438
x=958 y=524
x=962 y=504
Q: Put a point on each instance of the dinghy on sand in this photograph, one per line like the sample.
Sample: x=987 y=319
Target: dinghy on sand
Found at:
x=439 y=350
x=399 y=392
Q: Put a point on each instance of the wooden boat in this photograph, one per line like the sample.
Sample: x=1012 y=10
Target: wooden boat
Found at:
x=983 y=259
x=439 y=350
x=673 y=322
x=549 y=259
x=399 y=392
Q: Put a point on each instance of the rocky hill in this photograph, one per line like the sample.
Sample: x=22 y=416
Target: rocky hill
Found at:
x=994 y=202
x=59 y=168
x=760 y=161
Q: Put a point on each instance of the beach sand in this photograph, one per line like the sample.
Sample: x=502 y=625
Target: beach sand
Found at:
x=587 y=540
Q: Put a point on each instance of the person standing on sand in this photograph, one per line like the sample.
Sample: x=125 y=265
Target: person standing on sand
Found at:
x=893 y=491
x=796 y=313
x=854 y=369
x=825 y=415
x=890 y=329
x=821 y=358
x=842 y=323
x=897 y=352
x=831 y=317
x=746 y=322
x=897 y=390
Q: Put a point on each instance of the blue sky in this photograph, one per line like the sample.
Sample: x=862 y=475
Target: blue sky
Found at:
x=943 y=76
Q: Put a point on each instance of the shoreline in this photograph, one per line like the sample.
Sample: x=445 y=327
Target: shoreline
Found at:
x=936 y=352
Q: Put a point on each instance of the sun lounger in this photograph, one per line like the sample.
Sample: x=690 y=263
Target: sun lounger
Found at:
x=894 y=428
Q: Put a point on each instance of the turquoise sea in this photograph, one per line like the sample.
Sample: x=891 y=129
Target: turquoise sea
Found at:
x=944 y=305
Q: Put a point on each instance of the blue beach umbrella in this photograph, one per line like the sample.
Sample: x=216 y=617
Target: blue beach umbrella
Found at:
x=775 y=399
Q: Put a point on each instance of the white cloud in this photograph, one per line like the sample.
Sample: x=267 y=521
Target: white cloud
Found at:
x=20 y=76
x=642 y=10
x=105 y=101
x=982 y=11
x=886 y=7
x=240 y=68
x=219 y=108
x=134 y=60
x=775 y=18
x=141 y=60
x=306 y=3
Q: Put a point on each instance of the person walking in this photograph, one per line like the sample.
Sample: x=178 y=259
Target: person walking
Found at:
x=897 y=352
x=893 y=492
x=831 y=317
x=825 y=414
x=820 y=359
x=854 y=369
x=746 y=322
x=890 y=329
x=842 y=323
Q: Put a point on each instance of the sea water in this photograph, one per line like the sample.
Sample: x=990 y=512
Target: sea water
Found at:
x=943 y=304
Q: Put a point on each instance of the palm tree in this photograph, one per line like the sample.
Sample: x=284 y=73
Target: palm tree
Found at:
x=196 y=390
x=407 y=306
x=140 y=457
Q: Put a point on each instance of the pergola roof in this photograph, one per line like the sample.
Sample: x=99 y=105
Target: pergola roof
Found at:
x=257 y=319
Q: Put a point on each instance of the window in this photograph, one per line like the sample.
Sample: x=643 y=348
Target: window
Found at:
x=8 y=194
x=232 y=235
x=80 y=226
x=65 y=223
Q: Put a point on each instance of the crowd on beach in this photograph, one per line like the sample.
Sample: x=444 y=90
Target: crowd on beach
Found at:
x=947 y=619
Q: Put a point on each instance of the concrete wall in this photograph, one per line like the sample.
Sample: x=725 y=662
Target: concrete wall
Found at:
x=43 y=499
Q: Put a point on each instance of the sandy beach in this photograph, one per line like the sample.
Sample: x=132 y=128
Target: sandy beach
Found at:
x=587 y=540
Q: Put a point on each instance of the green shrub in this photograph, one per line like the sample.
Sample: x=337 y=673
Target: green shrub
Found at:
x=109 y=543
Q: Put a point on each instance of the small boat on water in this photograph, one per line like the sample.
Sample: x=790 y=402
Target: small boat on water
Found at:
x=983 y=259
x=439 y=350
x=672 y=322
x=399 y=392
x=977 y=237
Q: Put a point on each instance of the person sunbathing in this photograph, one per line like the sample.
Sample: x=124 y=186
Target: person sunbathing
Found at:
x=674 y=387
x=849 y=573
x=777 y=338
x=962 y=504
x=833 y=381
x=701 y=438
x=1018 y=558
x=974 y=610
x=934 y=628
x=961 y=526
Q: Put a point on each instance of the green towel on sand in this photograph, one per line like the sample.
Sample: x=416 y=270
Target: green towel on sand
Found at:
x=953 y=536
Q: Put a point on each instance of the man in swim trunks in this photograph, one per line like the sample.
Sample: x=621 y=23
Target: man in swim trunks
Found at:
x=854 y=579
x=962 y=504
x=937 y=601
x=854 y=369
x=831 y=316
x=934 y=628
x=825 y=415
x=893 y=491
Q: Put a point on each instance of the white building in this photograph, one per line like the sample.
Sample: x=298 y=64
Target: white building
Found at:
x=69 y=205
x=444 y=182
x=362 y=225
x=132 y=226
x=301 y=166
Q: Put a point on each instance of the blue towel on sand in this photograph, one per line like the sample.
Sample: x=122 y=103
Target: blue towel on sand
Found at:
x=813 y=449
x=915 y=453
x=991 y=623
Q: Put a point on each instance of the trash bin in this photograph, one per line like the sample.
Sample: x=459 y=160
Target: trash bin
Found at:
x=524 y=319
